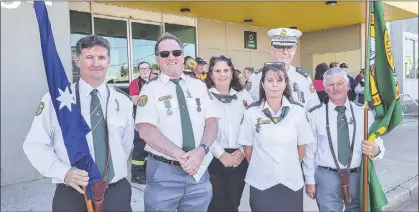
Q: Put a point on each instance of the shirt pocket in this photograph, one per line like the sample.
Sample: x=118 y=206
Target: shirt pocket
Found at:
x=196 y=109
x=168 y=107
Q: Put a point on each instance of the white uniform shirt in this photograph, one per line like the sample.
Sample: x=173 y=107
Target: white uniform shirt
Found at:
x=229 y=124
x=301 y=87
x=44 y=145
x=155 y=111
x=318 y=153
x=275 y=155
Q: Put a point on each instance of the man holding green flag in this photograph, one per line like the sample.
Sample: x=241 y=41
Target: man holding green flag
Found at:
x=382 y=90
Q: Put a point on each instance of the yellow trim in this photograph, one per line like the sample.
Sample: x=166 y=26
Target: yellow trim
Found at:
x=138 y=162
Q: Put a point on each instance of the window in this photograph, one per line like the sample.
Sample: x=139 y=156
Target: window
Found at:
x=144 y=38
x=115 y=31
x=80 y=26
x=186 y=34
x=410 y=60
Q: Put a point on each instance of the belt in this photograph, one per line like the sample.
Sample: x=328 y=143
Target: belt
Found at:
x=229 y=150
x=353 y=170
x=164 y=160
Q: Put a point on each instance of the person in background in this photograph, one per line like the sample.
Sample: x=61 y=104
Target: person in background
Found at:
x=228 y=169
x=359 y=88
x=248 y=71
x=154 y=73
x=333 y=65
x=199 y=68
x=139 y=155
x=318 y=80
x=351 y=92
x=275 y=132
x=189 y=65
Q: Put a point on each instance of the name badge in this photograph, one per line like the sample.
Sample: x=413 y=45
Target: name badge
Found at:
x=163 y=98
x=264 y=122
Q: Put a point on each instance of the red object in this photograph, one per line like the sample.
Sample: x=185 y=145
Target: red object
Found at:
x=318 y=85
x=245 y=103
x=134 y=90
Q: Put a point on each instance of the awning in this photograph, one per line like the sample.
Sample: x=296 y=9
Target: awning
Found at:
x=306 y=16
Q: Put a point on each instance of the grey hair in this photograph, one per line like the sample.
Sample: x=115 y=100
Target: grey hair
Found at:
x=167 y=36
x=334 y=72
x=91 y=41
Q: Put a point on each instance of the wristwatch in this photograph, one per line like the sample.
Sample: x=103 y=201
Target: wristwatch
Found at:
x=206 y=148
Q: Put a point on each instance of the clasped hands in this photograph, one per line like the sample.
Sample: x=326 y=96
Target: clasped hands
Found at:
x=191 y=161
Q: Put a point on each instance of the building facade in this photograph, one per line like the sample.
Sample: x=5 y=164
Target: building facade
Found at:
x=132 y=28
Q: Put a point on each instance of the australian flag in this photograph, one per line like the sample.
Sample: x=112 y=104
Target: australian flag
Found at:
x=73 y=126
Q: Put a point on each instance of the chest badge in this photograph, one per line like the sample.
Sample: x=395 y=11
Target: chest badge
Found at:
x=168 y=107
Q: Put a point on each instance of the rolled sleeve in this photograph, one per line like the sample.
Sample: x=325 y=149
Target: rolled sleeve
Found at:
x=379 y=141
x=147 y=112
x=216 y=149
x=246 y=131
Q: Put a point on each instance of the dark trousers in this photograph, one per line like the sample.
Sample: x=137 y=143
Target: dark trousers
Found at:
x=276 y=198
x=117 y=198
x=227 y=185
x=138 y=157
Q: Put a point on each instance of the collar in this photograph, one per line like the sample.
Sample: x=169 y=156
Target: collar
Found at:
x=291 y=69
x=164 y=78
x=85 y=88
x=333 y=106
x=285 y=102
x=214 y=90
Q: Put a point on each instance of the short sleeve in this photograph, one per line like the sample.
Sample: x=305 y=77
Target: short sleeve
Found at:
x=210 y=108
x=246 y=131
x=304 y=132
x=146 y=107
x=133 y=88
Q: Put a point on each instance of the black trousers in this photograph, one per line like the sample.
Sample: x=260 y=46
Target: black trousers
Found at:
x=117 y=198
x=276 y=198
x=227 y=185
x=138 y=156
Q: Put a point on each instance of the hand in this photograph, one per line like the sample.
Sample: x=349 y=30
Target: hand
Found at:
x=226 y=159
x=311 y=190
x=238 y=157
x=76 y=177
x=179 y=157
x=369 y=148
x=193 y=160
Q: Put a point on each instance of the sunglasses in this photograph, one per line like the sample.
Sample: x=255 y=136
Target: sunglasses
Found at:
x=278 y=65
x=165 y=54
x=221 y=57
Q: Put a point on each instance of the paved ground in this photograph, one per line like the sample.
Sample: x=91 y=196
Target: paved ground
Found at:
x=398 y=174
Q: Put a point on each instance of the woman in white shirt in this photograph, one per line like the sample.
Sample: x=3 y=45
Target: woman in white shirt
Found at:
x=228 y=169
x=274 y=133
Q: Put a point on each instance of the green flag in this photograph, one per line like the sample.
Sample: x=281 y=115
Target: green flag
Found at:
x=381 y=88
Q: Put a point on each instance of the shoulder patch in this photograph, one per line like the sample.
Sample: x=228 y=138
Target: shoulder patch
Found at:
x=121 y=91
x=296 y=103
x=154 y=79
x=300 y=71
x=315 y=107
x=40 y=108
x=142 y=101
x=257 y=103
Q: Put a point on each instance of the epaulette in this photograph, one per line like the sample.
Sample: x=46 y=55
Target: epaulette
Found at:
x=258 y=71
x=123 y=92
x=257 y=103
x=296 y=103
x=154 y=79
x=314 y=108
x=300 y=71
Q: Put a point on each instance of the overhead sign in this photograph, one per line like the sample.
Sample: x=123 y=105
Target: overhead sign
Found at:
x=250 y=40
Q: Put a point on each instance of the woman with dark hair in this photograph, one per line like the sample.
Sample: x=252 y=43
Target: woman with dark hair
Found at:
x=318 y=80
x=228 y=169
x=138 y=165
x=274 y=133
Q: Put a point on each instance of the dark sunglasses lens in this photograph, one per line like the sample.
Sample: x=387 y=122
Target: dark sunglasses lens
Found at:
x=177 y=53
x=164 y=54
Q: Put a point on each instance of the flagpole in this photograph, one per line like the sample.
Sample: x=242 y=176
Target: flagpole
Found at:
x=367 y=38
x=89 y=205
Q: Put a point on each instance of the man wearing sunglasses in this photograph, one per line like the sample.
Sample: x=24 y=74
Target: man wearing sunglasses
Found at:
x=284 y=47
x=178 y=120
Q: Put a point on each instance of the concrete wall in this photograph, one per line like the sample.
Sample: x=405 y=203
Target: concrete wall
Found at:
x=341 y=44
x=23 y=81
x=221 y=38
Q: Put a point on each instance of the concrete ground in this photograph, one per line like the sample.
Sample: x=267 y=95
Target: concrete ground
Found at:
x=398 y=174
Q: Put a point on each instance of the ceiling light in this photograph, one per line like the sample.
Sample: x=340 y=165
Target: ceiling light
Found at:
x=185 y=10
x=248 y=20
x=331 y=3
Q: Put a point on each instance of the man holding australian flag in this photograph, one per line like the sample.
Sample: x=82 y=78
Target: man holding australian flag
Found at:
x=82 y=133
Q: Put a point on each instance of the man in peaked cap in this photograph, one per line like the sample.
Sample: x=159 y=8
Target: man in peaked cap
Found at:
x=283 y=49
